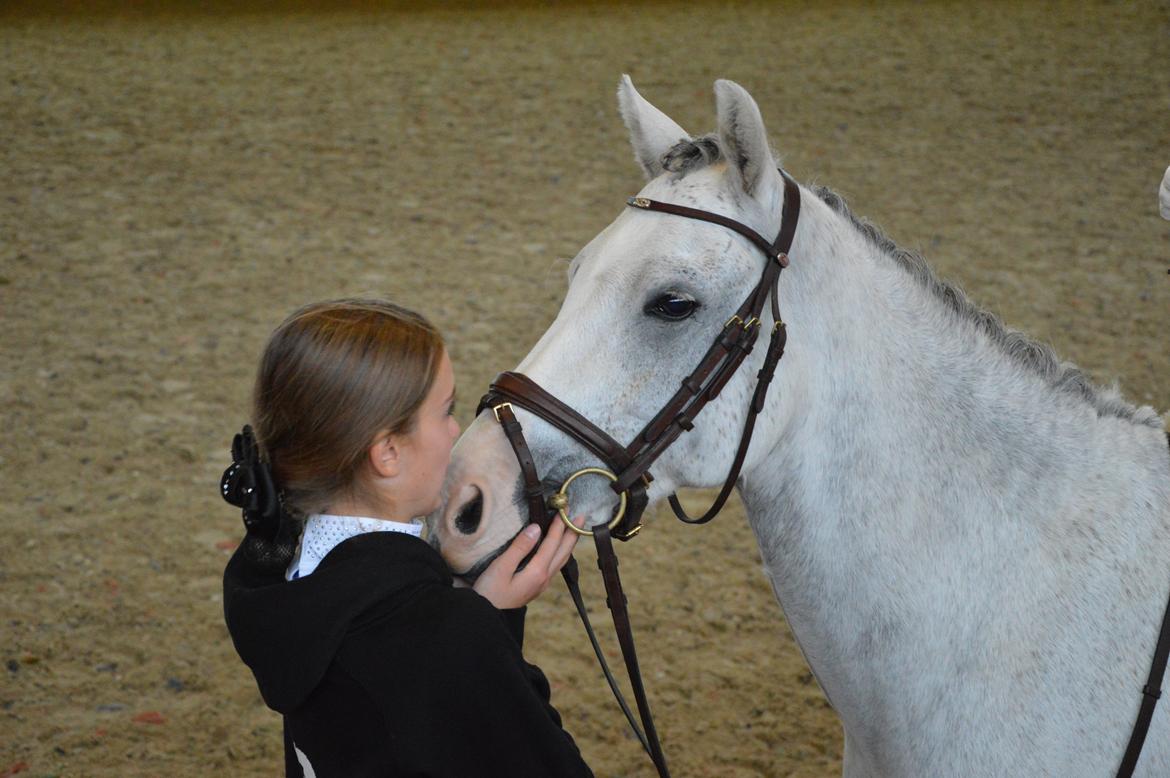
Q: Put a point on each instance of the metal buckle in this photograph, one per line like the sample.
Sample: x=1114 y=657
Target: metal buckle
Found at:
x=560 y=500
x=747 y=325
x=639 y=202
x=633 y=531
x=496 y=410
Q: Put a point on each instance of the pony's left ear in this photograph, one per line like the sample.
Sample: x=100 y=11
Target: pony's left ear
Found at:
x=1164 y=195
x=741 y=131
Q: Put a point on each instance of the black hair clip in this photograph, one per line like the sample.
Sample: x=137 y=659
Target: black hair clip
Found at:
x=248 y=484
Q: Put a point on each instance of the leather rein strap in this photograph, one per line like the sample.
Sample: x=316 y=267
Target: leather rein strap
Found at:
x=540 y=514
x=630 y=465
x=1151 y=693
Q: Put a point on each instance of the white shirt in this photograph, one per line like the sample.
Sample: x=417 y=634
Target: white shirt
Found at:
x=323 y=532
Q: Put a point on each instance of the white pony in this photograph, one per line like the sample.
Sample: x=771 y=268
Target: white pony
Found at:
x=970 y=542
x=1164 y=195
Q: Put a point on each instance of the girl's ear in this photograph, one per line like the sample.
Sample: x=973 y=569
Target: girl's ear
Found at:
x=385 y=456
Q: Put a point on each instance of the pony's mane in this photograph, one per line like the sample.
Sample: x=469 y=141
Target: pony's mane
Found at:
x=1027 y=352
x=690 y=155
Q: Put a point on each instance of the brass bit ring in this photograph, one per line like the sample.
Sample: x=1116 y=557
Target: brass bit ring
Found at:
x=560 y=501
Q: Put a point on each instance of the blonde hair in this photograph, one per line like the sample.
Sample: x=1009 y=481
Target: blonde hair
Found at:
x=333 y=376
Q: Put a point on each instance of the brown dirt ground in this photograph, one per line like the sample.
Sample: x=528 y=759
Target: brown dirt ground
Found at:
x=174 y=184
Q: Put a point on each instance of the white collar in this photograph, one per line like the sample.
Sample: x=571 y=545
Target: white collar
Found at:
x=323 y=532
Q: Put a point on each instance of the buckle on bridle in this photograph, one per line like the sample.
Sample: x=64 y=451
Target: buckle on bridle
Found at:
x=496 y=410
x=746 y=325
x=634 y=530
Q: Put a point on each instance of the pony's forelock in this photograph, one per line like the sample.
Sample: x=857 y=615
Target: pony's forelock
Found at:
x=694 y=154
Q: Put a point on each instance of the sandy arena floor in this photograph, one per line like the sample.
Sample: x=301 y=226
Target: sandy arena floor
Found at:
x=173 y=185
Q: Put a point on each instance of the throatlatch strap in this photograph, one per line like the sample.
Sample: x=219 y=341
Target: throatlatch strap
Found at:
x=763 y=379
x=1151 y=692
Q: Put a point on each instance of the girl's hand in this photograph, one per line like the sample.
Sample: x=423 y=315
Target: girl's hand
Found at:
x=505 y=588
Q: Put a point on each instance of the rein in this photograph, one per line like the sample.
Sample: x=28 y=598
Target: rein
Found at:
x=628 y=467
x=1151 y=693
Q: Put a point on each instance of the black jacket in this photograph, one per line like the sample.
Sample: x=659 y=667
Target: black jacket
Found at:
x=382 y=668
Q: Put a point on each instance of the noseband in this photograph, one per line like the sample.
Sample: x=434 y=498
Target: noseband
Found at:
x=628 y=467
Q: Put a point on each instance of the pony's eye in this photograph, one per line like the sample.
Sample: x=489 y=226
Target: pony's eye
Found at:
x=672 y=306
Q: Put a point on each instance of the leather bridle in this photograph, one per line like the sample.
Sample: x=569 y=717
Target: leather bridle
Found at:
x=628 y=467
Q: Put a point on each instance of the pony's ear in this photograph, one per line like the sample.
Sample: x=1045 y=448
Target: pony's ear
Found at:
x=652 y=133
x=741 y=131
x=1164 y=195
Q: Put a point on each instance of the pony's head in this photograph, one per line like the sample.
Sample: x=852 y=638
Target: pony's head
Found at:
x=646 y=297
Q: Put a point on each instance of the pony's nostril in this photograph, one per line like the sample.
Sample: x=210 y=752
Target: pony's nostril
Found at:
x=467 y=520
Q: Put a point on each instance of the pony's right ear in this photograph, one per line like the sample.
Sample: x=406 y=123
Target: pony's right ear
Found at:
x=652 y=133
x=1164 y=195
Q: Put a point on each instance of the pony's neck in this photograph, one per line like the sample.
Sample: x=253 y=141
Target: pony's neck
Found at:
x=897 y=383
x=897 y=412
x=917 y=461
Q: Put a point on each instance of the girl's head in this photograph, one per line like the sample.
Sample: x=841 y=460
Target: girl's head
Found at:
x=351 y=407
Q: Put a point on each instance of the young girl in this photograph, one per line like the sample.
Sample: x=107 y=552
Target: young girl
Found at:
x=348 y=620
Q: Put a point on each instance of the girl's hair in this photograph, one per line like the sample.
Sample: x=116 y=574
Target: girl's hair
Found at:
x=333 y=376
